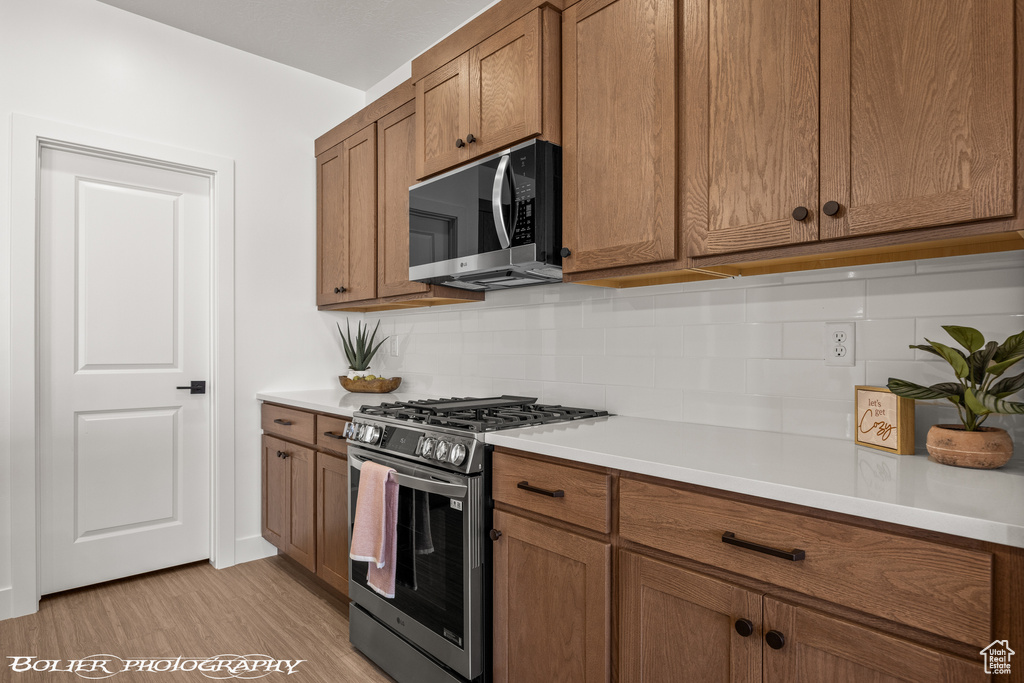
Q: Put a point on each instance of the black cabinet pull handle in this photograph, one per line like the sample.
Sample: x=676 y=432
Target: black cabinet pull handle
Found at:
x=793 y=555
x=525 y=485
x=830 y=208
x=470 y=138
x=744 y=627
x=334 y=436
x=339 y=290
x=286 y=423
x=459 y=143
x=800 y=213
x=280 y=454
x=775 y=640
x=494 y=534
x=565 y=252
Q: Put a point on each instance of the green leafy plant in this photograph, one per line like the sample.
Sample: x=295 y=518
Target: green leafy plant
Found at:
x=976 y=393
x=360 y=351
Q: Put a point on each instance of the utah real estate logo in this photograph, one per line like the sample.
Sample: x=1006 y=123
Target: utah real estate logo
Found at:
x=997 y=657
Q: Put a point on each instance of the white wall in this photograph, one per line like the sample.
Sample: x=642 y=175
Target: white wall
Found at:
x=91 y=65
x=743 y=353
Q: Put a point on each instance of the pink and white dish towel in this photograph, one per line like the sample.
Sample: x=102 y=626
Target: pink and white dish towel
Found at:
x=375 y=526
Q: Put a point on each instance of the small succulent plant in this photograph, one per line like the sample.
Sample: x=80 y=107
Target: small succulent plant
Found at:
x=976 y=393
x=360 y=350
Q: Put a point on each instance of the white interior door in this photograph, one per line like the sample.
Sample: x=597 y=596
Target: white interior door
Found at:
x=124 y=319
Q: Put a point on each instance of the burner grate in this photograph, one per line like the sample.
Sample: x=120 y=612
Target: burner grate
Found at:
x=479 y=414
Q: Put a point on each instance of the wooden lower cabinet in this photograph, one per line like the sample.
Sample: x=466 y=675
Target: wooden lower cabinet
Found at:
x=552 y=604
x=332 y=520
x=288 y=502
x=679 y=625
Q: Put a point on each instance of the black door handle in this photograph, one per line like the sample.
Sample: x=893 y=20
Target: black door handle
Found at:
x=525 y=485
x=775 y=640
x=565 y=252
x=494 y=534
x=793 y=555
x=339 y=290
x=744 y=627
x=334 y=436
x=286 y=423
x=460 y=143
x=470 y=138
x=830 y=208
x=800 y=213
x=197 y=386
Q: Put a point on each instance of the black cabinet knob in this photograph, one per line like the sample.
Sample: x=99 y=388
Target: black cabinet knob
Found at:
x=339 y=290
x=280 y=454
x=460 y=143
x=800 y=213
x=470 y=138
x=565 y=252
x=775 y=640
x=744 y=627
x=494 y=534
x=830 y=208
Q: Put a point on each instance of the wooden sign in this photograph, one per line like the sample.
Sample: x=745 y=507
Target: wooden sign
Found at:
x=883 y=420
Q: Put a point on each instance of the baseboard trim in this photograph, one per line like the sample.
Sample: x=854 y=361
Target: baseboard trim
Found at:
x=252 y=548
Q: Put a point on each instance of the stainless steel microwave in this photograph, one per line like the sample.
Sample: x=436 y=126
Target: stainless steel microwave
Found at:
x=492 y=224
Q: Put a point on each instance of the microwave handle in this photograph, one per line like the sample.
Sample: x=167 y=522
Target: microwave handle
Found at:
x=441 y=488
x=499 y=219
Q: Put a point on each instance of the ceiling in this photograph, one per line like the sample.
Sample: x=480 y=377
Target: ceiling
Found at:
x=354 y=42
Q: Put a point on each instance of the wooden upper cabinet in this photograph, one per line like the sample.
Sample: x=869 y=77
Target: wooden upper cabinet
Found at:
x=396 y=171
x=619 y=132
x=750 y=125
x=917 y=113
x=677 y=625
x=816 y=647
x=502 y=91
x=347 y=220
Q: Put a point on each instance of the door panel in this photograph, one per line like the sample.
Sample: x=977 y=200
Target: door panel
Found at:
x=751 y=124
x=442 y=105
x=301 y=479
x=124 y=320
x=665 y=608
x=396 y=171
x=917 y=113
x=276 y=494
x=332 y=520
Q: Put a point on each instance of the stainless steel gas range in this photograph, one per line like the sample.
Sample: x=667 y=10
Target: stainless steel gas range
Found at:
x=437 y=627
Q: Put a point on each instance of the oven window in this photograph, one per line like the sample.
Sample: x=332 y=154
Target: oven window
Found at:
x=429 y=579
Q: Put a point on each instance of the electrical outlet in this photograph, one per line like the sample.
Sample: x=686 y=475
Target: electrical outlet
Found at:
x=393 y=346
x=839 y=344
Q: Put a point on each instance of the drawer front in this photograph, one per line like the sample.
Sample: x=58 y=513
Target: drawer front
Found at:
x=329 y=430
x=527 y=484
x=289 y=423
x=938 y=588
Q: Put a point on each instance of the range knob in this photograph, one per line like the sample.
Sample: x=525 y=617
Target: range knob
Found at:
x=441 y=452
x=457 y=454
x=371 y=435
x=427 y=450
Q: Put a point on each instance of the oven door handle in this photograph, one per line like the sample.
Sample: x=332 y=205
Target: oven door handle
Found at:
x=441 y=488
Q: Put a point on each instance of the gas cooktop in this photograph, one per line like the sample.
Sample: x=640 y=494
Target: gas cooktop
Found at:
x=478 y=414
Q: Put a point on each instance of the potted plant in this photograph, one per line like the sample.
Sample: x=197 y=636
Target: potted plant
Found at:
x=359 y=351
x=980 y=389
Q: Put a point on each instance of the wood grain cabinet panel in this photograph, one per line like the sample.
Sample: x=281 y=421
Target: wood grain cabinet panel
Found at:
x=750 y=98
x=287 y=422
x=396 y=172
x=552 y=604
x=677 y=625
x=619 y=132
x=288 y=504
x=917 y=124
x=347 y=220
x=817 y=647
x=332 y=520
x=330 y=434
x=442 y=103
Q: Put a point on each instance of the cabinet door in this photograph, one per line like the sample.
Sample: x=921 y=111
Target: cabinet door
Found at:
x=396 y=171
x=505 y=95
x=552 y=604
x=332 y=520
x=347 y=220
x=301 y=541
x=917 y=113
x=619 y=133
x=442 y=120
x=816 y=647
x=677 y=625
x=276 y=493
x=750 y=124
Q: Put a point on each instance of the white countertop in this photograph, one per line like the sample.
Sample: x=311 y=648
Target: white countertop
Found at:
x=830 y=474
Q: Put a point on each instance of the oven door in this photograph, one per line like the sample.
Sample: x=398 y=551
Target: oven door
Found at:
x=438 y=603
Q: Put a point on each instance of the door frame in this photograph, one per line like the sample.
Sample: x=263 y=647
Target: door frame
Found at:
x=29 y=136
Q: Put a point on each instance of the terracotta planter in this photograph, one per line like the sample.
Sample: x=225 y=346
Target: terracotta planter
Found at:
x=985 y=448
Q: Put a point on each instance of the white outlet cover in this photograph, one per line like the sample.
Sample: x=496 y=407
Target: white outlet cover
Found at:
x=840 y=354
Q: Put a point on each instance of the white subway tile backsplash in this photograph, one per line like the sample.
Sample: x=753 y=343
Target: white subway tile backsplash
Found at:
x=817 y=301
x=743 y=352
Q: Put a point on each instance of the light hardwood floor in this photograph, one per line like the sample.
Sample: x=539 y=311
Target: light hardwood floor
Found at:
x=194 y=610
